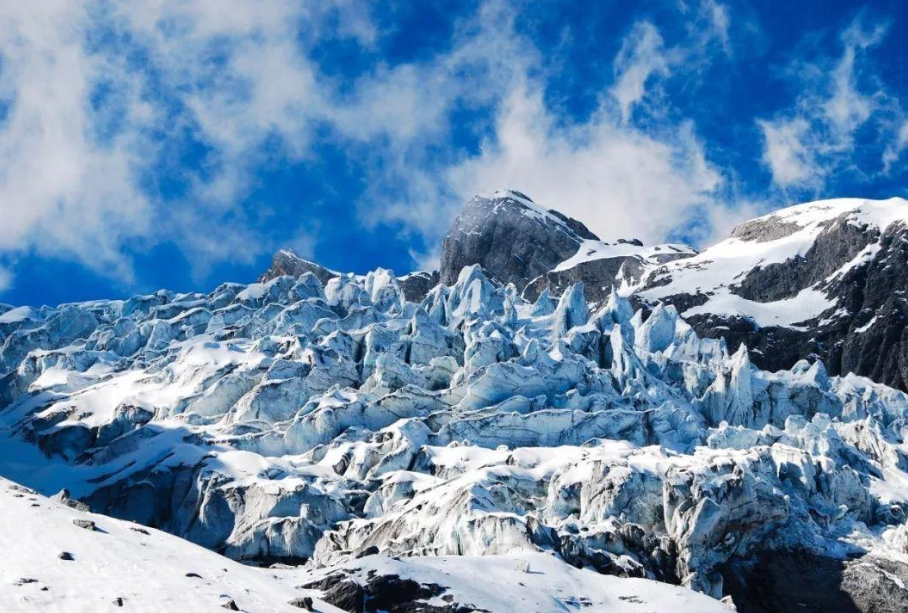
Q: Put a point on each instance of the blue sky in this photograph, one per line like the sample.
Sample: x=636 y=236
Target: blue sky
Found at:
x=175 y=144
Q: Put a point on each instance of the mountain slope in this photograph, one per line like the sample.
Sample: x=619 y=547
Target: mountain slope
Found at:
x=517 y=241
x=823 y=279
x=290 y=422
x=111 y=565
x=117 y=566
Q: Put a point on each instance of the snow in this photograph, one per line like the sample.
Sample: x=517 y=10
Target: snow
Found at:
x=715 y=270
x=538 y=583
x=591 y=250
x=472 y=424
x=866 y=326
x=808 y=304
x=146 y=568
x=18 y=315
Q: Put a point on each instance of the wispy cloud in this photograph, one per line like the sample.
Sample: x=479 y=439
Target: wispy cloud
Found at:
x=816 y=137
x=896 y=147
x=642 y=56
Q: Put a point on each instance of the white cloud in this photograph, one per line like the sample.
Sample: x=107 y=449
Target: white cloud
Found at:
x=721 y=21
x=895 y=148
x=807 y=144
x=641 y=57
x=81 y=146
x=620 y=181
x=787 y=153
x=62 y=190
x=239 y=78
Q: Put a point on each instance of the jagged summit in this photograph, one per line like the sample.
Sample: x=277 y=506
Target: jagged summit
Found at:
x=287 y=262
x=517 y=241
x=510 y=236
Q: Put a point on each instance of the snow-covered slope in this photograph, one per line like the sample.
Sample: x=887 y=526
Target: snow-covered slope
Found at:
x=54 y=560
x=59 y=559
x=289 y=421
x=825 y=278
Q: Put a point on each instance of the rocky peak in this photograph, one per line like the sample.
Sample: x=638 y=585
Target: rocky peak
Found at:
x=287 y=262
x=511 y=237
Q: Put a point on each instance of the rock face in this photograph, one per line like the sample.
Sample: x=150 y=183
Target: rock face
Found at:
x=825 y=279
x=516 y=241
x=286 y=262
x=511 y=237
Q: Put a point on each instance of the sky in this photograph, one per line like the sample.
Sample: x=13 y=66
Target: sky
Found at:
x=178 y=144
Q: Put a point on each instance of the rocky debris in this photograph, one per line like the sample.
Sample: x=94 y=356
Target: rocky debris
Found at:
x=119 y=601
x=230 y=605
x=85 y=524
x=387 y=593
x=304 y=603
x=63 y=497
x=66 y=556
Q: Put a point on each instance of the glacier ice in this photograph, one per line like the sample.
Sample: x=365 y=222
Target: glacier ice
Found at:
x=294 y=421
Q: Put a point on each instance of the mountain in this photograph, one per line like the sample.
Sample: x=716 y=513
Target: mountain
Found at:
x=823 y=280
x=517 y=241
x=439 y=452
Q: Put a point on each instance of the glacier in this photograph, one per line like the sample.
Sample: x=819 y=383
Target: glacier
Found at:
x=340 y=427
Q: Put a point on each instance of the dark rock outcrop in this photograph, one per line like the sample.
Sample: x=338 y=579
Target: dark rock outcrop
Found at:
x=866 y=585
x=416 y=285
x=598 y=278
x=865 y=331
x=286 y=262
x=512 y=238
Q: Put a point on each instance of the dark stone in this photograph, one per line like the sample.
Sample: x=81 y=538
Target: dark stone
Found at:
x=230 y=605
x=345 y=594
x=416 y=285
x=509 y=239
x=66 y=556
x=302 y=603
x=598 y=278
x=286 y=262
x=87 y=524
x=118 y=601
x=865 y=333
x=803 y=582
